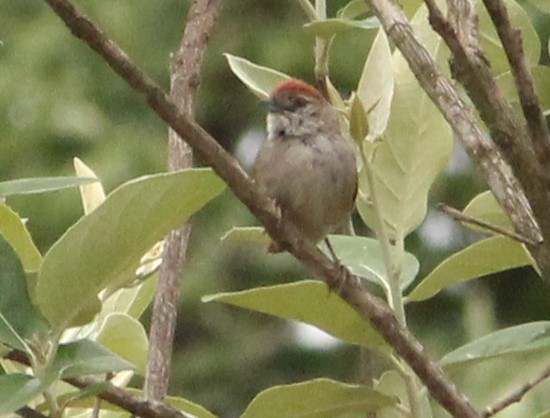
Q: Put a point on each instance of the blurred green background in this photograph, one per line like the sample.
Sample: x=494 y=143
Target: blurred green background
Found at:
x=58 y=100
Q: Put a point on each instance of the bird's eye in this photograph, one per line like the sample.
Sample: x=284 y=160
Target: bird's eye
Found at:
x=298 y=102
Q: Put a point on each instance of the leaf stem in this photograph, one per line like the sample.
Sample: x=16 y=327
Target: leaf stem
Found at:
x=322 y=46
x=393 y=271
x=309 y=10
x=393 y=259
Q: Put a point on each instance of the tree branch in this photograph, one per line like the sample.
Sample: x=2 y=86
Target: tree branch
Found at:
x=113 y=394
x=367 y=305
x=185 y=80
x=471 y=68
x=515 y=396
x=479 y=146
x=530 y=103
x=462 y=217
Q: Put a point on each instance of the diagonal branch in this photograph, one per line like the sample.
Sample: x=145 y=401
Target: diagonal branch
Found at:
x=185 y=77
x=532 y=110
x=515 y=396
x=479 y=146
x=462 y=217
x=367 y=305
x=471 y=68
x=129 y=402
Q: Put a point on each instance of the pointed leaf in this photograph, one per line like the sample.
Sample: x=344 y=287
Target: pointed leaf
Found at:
x=93 y=194
x=485 y=207
x=132 y=301
x=19 y=320
x=252 y=234
x=310 y=302
x=188 y=407
x=392 y=384
x=353 y=9
x=17 y=390
x=490 y=41
x=103 y=249
x=185 y=406
x=125 y=337
x=358 y=122
x=260 y=80
x=15 y=232
x=41 y=184
x=375 y=87
x=484 y=257
x=86 y=357
x=334 y=97
x=414 y=149
x=364 y=257
x=319 y=398
x=514 y=341
x=541 y=78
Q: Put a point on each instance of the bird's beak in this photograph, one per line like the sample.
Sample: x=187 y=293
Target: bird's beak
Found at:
x=271 y=105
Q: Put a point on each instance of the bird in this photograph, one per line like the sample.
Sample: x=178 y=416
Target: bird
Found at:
x=306 y=165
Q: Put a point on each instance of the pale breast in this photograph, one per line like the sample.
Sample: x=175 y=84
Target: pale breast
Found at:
x=313 y=182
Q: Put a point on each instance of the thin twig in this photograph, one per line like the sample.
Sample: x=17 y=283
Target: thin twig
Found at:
x=185 y=78
x=113 y=394
x=367 y=305
x=462 y=217
x=472 y=69
x=530 y=103
x=514 y=397
x=477 y=143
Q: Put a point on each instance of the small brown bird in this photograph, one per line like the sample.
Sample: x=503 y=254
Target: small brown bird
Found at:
x=306 y=165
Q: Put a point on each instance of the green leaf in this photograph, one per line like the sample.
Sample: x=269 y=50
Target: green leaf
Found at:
x=188 y=407
x=307 y=301
x=319 y=398
x=542 y=5
x=85 y=357
x=353 y=9
x=358 y=121
x=103 y=249
x=541 y=78
x=183 y=405
x=376 y=85
x=544 y=415
x=19 y=318
x=517 y=341
x=485 y=207
x=410 y=7
x=490 y=41
x=252 y=234
x=126 y=337
x=41 y=184
x=484 y=257
x=414 y=149
x=132 y=301
x=260 y=80
x=14 y=231
x=330 y=27
x=391 y=383
x=93 y=194
x=17 y=390
x=364 y=257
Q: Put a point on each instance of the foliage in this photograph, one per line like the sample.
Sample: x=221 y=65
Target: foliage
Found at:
x=76 y=308
x=49 y=306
